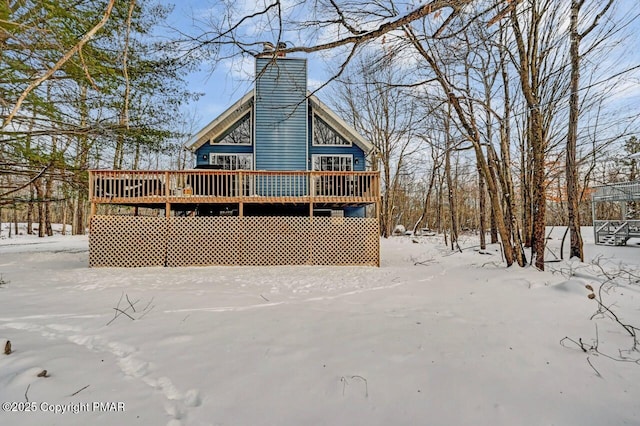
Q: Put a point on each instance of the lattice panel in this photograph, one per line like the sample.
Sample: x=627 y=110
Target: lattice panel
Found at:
x=345 y=241
x=127 y=241
x=198 y=241
x=185 y=241
x=276 y=240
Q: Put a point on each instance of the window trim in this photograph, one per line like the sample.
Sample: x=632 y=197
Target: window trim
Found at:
x=318 y=156
x=212 y=141
x=315 y=117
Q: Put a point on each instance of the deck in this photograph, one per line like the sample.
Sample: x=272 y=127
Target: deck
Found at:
x=616 y=231
x=169 y=189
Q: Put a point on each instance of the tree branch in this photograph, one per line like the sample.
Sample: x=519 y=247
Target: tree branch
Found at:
x=60 y=63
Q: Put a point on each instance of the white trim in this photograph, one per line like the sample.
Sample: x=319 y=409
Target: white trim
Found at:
x=307 y=166
x=211 y=140
x=254 y=96
x=317 y=156
x=349 y=143
x=222 y=122
x=340 y=125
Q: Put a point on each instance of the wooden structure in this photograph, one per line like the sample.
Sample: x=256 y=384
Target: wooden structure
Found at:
x=182 y=237
x=279 y=179
x=616 y=231
x=189 y=190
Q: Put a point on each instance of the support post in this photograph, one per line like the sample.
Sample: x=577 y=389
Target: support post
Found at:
x=593 y=221
x=311 y=189
x=167 y=209
x=241 y=209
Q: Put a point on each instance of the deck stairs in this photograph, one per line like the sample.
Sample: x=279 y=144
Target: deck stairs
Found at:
x=616 y=232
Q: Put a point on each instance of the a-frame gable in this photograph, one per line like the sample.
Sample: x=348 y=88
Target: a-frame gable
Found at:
x=223 y=123
x=339 y=125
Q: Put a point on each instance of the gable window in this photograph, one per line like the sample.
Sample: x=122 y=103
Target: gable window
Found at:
x=239 y=134
x=325 y=135
x=333 y=163
x=231 y=161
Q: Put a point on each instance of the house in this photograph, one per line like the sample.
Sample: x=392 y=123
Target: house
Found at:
x=278 y=178
x=279 y=126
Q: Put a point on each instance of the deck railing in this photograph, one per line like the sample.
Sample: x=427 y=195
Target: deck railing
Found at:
x=620 y=191
x=218 y=186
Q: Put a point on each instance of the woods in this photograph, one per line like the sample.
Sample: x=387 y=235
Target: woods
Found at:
x=488 y=116
x=84 y=85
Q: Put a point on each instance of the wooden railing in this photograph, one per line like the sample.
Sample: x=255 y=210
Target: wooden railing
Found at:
x=243 y=186
x=619 y=191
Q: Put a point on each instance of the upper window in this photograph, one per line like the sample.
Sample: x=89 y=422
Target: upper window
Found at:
x=325 y=135
x=231 y=161
x=239 y=134
x=333 y=163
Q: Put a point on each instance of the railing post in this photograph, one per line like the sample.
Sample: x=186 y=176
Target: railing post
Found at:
x=240 y=192
x=167 y=205
x=167 y=190
x=92 y=212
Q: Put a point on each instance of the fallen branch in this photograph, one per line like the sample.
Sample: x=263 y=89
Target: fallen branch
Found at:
x=79 y=390
x=345 y=383
x=130 y=304
x=124 y=313
x=594 y=369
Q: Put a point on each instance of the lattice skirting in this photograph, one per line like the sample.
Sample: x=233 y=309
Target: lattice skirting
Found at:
x=126 y=241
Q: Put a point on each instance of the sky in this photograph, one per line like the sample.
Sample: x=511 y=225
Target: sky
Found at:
x=230 y=80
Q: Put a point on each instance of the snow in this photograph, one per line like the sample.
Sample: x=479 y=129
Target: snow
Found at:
x=430 y=337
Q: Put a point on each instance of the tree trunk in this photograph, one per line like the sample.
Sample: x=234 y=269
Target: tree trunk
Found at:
x=427 y=200
x=41 y=224
x=452 y=203
x=482 y=206
x=573 y=195
x=538 y=199
x=15 y=218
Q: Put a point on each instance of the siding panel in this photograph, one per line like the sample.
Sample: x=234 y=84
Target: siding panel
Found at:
x=281 y=114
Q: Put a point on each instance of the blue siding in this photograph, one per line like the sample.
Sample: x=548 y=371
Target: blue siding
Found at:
x=358 y=162
x=355 y=150
x=281 y=114
x=203 y=152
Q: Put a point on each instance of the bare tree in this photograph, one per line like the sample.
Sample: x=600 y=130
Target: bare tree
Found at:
x=386 y=114
x=573 y=193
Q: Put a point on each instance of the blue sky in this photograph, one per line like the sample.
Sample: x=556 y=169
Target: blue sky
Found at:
x=230 y=80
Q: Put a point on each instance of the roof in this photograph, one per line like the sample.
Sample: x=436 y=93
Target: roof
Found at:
x=221 y=123
x=339 y=124
x=236 y=111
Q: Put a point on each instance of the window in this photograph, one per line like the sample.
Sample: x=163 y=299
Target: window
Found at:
x=239 y=134
x=231 y=161
x=333 y=163
x=325 y=135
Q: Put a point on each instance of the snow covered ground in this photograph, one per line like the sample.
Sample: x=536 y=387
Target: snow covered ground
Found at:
x=456 y=339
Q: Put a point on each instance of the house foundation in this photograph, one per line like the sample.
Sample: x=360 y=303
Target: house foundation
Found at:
x=138 y=241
